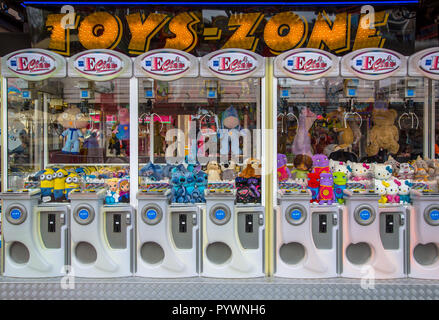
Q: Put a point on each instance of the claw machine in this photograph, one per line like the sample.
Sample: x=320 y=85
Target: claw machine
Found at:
x=171 y=183
x=423 y=247
x=35 y=223
x=391 y=154
x=233 y=235
x=307 y=221
x=102 y=215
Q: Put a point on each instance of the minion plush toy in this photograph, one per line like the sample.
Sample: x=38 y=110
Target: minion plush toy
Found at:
x=72 y=183
x=59 y=184
x=47 y=183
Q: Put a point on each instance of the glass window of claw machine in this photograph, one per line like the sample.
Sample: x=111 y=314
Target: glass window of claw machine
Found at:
x=30 y=77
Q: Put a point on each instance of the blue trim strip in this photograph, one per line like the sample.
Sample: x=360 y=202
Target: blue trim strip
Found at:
x=224 y=3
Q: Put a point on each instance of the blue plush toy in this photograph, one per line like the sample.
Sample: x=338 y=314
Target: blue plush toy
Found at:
x=230 y=120
x=189 y=186
x=152 y=171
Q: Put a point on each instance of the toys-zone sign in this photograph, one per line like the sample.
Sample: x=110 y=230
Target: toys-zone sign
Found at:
x=266 y=31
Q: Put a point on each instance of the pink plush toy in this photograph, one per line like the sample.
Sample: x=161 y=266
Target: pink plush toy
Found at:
x=302 y=140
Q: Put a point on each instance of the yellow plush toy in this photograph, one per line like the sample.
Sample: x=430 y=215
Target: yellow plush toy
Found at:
x=384 y=134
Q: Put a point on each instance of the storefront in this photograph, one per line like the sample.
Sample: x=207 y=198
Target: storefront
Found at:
x=216 y=143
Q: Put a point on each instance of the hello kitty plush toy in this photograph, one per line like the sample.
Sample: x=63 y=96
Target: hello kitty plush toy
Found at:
x=392 y=191
x=404 y=191
x=382 y=171
x=340 y=166
x=380 y=188
x=360 y=172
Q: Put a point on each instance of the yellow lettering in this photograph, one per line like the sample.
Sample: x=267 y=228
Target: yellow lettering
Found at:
x=370 y=37
x=143 y=30
x=100 y=30
x=185 y=36
x=245 y=25
x=59 y=37
x=285 y=31
x=334 y=36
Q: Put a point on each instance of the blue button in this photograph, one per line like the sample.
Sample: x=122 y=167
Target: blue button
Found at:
x=151 y=214
x=220 y=214
x=296 y=214
x=15 y=214
x=365 y=214
x=434 y=214
x=83 y=214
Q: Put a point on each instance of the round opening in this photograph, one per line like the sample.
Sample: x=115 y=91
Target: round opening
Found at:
x=152 y=253
x=358 y=253
x=85 y=253
x=426 y=254
x=218 y=252
x=19 y=253
x=292 y=253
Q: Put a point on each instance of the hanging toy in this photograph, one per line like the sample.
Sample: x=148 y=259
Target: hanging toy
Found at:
x=302 y=140
x=73 y=121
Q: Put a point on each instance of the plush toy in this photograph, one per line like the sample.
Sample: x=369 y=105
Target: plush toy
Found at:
x=248 y=190
x=340 y=183
x=152 y=171
x=421 y=169
x=178 y=181
x=112 y=195
x=345 y=133
x=230 y=120
x=283 y=173
x=72 y=183
x=384 y=134
x=404 y=191
x=326 y=191
x=313 y=185
x=252 y=168
x=213 y=171
x=394 y=164
x=59 y=184
x=73 y=121
x=382 y=171
x=340 y=166
x=302 y=140
x=359 y=171
x=320 y=164
x=189 y=185
x=405 y=171
x=302 y=166
x=433 y=168
x=392 y=191
x=200 y=186
x=380 y=188
x=47 y=182
x=123 y=131
x=124 y=191
x=228 y=171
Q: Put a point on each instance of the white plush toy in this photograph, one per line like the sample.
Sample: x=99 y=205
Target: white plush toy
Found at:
x=382 y=171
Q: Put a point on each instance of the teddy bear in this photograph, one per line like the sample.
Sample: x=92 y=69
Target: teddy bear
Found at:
x=384 y=134
x=213 y=171
x=252 y=168
x=228 y=170
x=72 y=121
